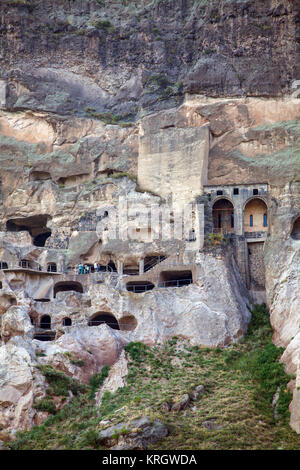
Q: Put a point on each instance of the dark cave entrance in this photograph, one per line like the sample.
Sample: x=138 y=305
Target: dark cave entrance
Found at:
x=66 y=286
x=36 y=226
x=104 y=317
x=175 y=278
x=45 y=322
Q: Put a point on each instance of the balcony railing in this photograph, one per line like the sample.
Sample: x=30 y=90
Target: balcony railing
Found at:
x=260 y=234
x=176 y=283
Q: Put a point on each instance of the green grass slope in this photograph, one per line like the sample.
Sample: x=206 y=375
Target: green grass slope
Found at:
x=235 y=411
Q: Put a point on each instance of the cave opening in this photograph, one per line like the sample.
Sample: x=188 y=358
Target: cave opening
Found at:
x=35 y=225
x=295 y=234
x=67 y=321
x=104 y=317
x=175 y=278
x=66 y=286
x=128 y=323
x=45 y=323
x=46 y=337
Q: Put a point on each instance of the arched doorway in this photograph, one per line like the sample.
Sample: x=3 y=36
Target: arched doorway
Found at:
x=104 y=317
x=223 y=216
x=295 y=234
x=256 y=216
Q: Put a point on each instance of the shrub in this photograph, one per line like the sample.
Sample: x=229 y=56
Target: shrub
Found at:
x=60 y=383
x=97 y=380
x=45 y=405
x=123 y=174
x=102 y=24
x=136 y=350
x=261 y=364
x=89 y=438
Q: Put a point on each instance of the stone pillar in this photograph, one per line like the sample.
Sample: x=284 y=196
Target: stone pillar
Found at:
x=239 y=218
x=3 y=88
x=141 y=266
x=120 y=268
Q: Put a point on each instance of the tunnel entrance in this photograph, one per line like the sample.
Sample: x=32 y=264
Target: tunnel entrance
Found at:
x=35 y=225
x=175 y=278
x=296 y=230
x=104 y=317
x=223 y=216
x=66 y=286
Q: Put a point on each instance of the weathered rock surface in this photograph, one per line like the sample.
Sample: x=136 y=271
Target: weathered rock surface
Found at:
x=116 y=378
x=16 y=322
x=20 y=385
x=142 y=54
x=197 y=392
x=150 y=102
x=283 y=276
x=282 y=260
x=83 y=351
x=182 y=403
x=134 y=435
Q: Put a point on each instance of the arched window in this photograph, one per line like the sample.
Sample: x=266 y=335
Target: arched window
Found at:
x=3 y=265
x=67 y=321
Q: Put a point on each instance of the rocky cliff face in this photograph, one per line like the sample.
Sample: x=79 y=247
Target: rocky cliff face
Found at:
x=150 y=101
x=130 y=57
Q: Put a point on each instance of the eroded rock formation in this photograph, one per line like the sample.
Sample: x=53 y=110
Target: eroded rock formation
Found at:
x=161 y=104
